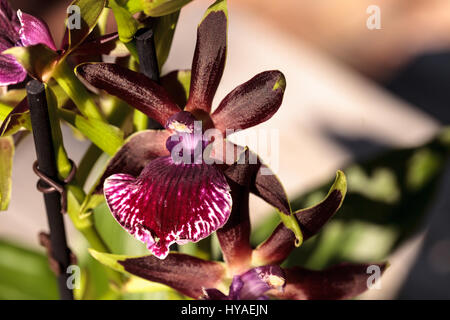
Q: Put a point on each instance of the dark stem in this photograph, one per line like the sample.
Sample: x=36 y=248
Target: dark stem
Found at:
x=47 y=165
x=148 y=62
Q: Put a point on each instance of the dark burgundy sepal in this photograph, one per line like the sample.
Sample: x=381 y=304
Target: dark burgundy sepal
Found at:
x=184 y=273
x=251 y=103
x=132 y=87
x=209 y=61
x=343 y=281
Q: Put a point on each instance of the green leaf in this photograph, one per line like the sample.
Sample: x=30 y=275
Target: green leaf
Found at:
x=126 y=24
x=38 y=60
x=105 y=136
x=24 y=274
x=155 y=8
x=158 y=8
x=17 y=119
x=90 y=11
x=4 y=111
x=6 y=161
x=110 y=260
x=76 y=91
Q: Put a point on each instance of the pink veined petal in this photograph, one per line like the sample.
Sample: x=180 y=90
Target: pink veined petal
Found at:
x=11 y=72
x=34 y=31
x=169 y=203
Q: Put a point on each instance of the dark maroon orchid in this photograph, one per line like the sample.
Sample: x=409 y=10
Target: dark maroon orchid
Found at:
x=19 y=29
x=161 y=200
x=263 y=277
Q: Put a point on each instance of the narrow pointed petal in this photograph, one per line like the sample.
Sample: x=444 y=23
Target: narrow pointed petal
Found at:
x=34 y=31
x=251 y=103
x=169 y=203
x=139 y=149
x=209 y=57
x=11 y=72
x=281 y=243
x=132 y=87
x=343 y=281
x=184 y=273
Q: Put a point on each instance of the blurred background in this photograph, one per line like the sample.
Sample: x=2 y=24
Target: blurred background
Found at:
x=374 y=103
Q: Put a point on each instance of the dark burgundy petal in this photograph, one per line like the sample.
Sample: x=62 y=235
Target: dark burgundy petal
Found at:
x=34 y=31
x=187 y=274
x=11 y=71
x=251 y=103
x=281 y=243
x=209 y=58
x=138 y=150
x=132 y=87
x=342 y=281
x=169 y=203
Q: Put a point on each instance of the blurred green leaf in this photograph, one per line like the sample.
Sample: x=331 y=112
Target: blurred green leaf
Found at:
x=24 y=274
x=6 y=161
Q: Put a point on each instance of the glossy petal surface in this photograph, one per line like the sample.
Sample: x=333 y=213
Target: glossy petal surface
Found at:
x=34 y=31
x=251 y=103
x=134 y=88
x=187 y=274
x=209 y=58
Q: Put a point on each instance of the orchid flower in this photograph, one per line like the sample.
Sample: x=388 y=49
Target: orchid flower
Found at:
x=19 y=29
x=159 y=200
x=264 y=278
